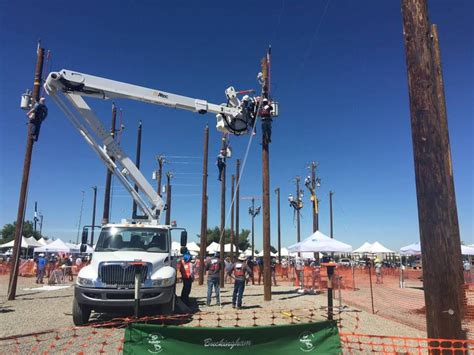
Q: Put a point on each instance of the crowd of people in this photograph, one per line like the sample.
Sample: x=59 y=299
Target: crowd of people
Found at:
x=57 y=268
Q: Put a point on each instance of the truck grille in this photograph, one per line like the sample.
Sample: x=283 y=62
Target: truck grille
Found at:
x=121 y=274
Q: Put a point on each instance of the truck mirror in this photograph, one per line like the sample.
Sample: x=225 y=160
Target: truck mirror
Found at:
x=184 y=238
x=85 y=234
x=83 y=248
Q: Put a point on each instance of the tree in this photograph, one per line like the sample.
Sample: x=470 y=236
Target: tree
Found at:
x=8 y=231
x=214 y=235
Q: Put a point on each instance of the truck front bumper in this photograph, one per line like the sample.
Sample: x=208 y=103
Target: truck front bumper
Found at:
x=107 y=298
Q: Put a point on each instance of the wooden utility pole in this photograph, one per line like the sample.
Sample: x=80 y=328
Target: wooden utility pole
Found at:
x=439 y=230
x=277 y=191
x=24 y=181
x=94 y=204
x=237 y=203
x=161 y=161
x=204 y=207
x=232 y=219
x=137 y=163
x=298 y=224
x=169 y=175
x=267 y=273
x=224 y=148
x=330 y=214
x=314 y=184
x=108 y=179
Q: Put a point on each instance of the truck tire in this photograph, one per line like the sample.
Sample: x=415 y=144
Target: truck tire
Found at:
x=80 y=313
x=168 y=308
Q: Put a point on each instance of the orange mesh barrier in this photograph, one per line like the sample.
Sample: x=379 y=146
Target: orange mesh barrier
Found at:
x=27 y=268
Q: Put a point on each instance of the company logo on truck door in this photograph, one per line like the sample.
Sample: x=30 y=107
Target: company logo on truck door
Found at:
x=160 y=94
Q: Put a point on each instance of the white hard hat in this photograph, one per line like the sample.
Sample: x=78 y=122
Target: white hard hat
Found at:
x=41 y=254
x=242 y=257
x=265 y=100
x=246 y=98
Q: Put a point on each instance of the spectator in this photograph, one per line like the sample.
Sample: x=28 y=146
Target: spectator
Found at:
x=213 y=268
x=41 y=268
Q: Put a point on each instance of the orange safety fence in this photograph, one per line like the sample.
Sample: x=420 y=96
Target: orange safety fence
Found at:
x=108 y=336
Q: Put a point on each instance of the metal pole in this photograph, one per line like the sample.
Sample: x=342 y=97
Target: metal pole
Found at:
x=93 y=215
x=277 y=190
x=204 y=207
x=298 y=226
x=315 y=198
x=224 y=142
x=108 y=179
x=35 y=219
x=330 y=271
x=267 y=273
x=437 y=215
x=80 y=218
x=137 y=163
x=24 y=181
x=41 y=223
x=161 y=161
x=237 y=203
x=253 y=227
x=169 y=175
x=371 y=290
x=232 y=219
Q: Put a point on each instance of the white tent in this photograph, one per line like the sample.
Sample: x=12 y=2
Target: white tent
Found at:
x=58 y=246
x=284 y=252
x=248 y=252
x=318 y=242
x=271 y=254
x=364 y=248
x=89 y=249
x=25 y=243
x=43 y=241
x=377 y=248
x=32 y=242
x=415 y=249
x=213 y=248
x=227 y=248
x=192 y=246
x=175 y=248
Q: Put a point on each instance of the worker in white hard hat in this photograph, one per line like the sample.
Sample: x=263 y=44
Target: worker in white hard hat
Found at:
x=240 y=272
x=36 y=117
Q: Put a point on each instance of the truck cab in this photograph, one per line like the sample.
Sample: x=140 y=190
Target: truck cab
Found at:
x=108 y=282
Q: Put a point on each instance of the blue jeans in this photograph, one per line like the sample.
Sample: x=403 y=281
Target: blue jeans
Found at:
x=213 y=282
x=239 y=287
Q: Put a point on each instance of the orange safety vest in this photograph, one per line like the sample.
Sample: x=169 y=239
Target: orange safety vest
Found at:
x=239 y=270
x=187 y=269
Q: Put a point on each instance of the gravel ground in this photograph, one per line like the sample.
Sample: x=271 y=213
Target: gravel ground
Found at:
x=36 y=311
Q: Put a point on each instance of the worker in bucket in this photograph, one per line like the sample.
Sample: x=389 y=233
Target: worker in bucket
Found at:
x=248 y=109
x=239 y=272
x=213 y=268
x=187 y=275
x=36 y=116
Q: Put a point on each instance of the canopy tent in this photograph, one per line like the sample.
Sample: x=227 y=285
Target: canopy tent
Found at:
x=192 y=246
x=175 y=248
x=227 y=248
x=364 y=248
x=284 y=252
x=25 y=243
x=58 y=246
x=248 y=252
x=32 y=242
x=377 y=248
x=415 y=249
x=271 y=254
x=318 y=242
x=89 y=249
x=43 y=241
x=213 y=248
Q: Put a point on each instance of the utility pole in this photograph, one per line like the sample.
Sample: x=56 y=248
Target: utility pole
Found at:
x=311 y=184
x=330 y=215
x=169 y=175
x=108 y=179
x=253 y=212
x=137 y=163
x=24 y=181
x=35 y=218
x=277 y=191
x=266 y=126
x=224 y=148
x=161 y=161
x=237 y=203
x=41 y=223
x=437 y=213
x=297 y=204
x=204 y=207
x=94 y=188
x=80 y=218
x=232 y=219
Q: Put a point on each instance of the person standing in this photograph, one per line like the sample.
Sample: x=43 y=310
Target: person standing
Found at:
x=315 y=274
x=251 y=265
x=221 y=163
x=228 y=267
x=260 y=268
x=213 y=268
x=273 y=268
x=284 y=268
x=241 y=272
x=187 y=275
x=299 y=267
x=378 y=271
x=36 y=117
x=41 y=268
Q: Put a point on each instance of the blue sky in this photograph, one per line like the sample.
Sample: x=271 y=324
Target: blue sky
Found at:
x=340 y=80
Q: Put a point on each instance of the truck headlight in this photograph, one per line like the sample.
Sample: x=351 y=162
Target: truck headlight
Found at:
x=84 y=282
x=163 y=282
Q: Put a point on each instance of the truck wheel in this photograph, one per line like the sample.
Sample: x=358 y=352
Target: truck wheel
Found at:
x=168 y=308
x=80 y=313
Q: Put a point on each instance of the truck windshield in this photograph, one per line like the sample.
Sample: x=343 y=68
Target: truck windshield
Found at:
x=133 y=239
